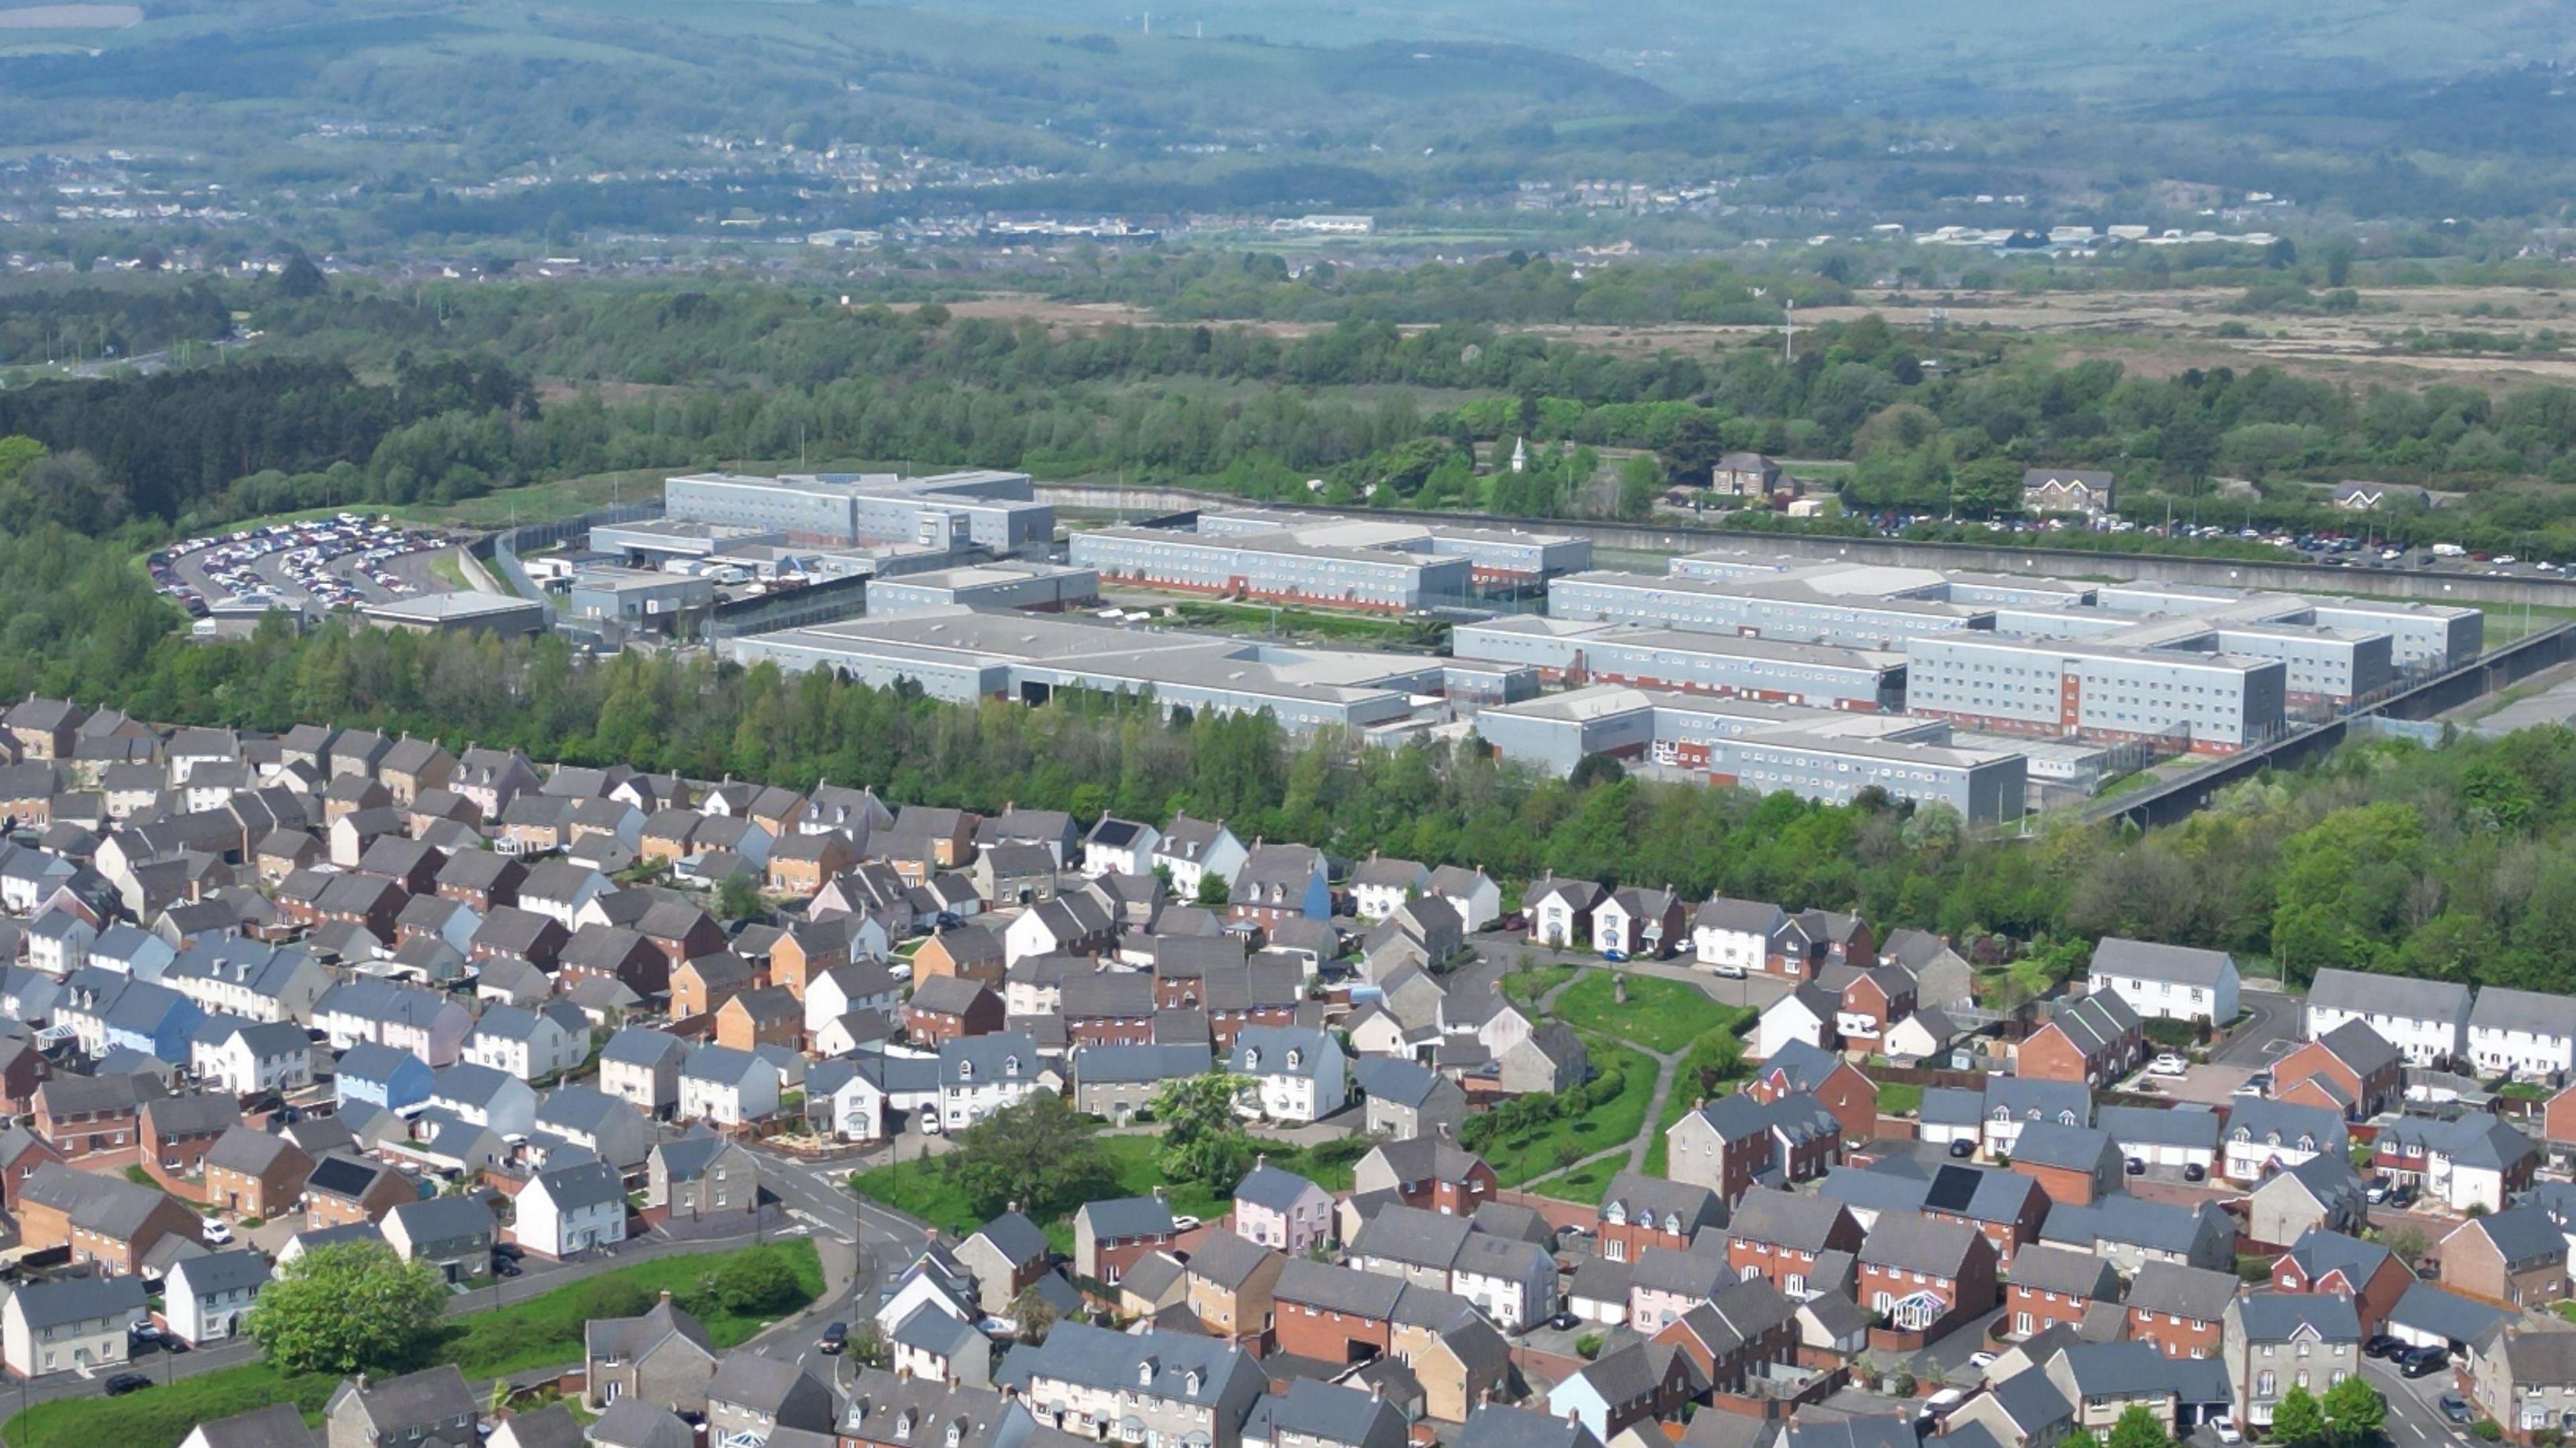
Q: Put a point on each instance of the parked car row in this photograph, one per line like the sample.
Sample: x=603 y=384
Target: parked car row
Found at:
x=309 y=556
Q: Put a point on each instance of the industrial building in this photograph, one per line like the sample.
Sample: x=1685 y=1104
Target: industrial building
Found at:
x=1847 y=605
x=1815 y=753
x=459 y=613
x=1498 y=555
x=1045 y=587
x=635 y=595
x=995 y=511
x=960 y=654
x=2206 y=703
x=1563 y=650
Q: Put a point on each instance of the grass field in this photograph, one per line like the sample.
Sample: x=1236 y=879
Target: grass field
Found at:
x=541 y=1332
x=1614 y=1122
x=924 y=1191
x=449 y=568
x=1587 y=1183
x=1660 y=1015
x=1527 y=987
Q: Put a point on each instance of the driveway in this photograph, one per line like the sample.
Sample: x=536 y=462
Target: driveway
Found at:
x=2271 y=1028
x=2414 y=1416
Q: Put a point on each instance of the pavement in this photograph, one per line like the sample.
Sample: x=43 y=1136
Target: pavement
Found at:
x=2270 y=1030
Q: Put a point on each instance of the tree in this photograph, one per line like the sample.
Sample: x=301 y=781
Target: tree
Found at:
x=1203 y=1137
x=2138 y=1427
x=300 y=278
x=757 y=1283
x=738 y=898
x=1040 y=1154
x=1033 y=1314
x=345 y=1308
x=2355 y=1410
x=2297 y=1419
x=1214 y=891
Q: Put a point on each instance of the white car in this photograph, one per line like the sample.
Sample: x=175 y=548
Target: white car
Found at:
x=2226 y=1430
x=1186 y=1223
x=217 y=1232
x=2168 y=1064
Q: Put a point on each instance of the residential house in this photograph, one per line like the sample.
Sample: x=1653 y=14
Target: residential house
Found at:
x=726 y=1086
x=1782 y=1238
x=1282 y=1210
x=1635 y=922
x=1425 y=1172
x=73 y=1324
x=1738 y=1336
x=2523 y=1380
x=1560 y=911
x=344 y=1191
x=453 y=1234
x=2471 y=1162
x=2529 y=1034
x=642 y=1068
x=251 y=1173
x=699 y=1176
x=1297 y=1073
x=1230 y=1287
x=1925 y=1275
x=2075 y=1165
x=1121 y=847
x=207 y=1299
x=2263 y=1137
x=980 y=1075
x=432 y=1406
x=2165 y=982
x=2322 y=1191
x=565 y=1210
x=105 y=1220
x=1091 y=1380
x=2097 y=1039
x=2275 y=1341
x=2358 y=1071
x=1639 y=1383
x=1639 y=1211
x=1733 y=937
x=2426 y=1020
x=2132 y=1232
x=2517 y=1257
x=1848 y=1094
x=2047 y=1287
x=1192 y=850
x=1731 y=1143
x=1405 y=1099
x=1110 y=1235
x=2177 y=1310
x=662 y=1357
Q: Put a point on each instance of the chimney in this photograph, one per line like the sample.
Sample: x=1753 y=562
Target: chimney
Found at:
x=362 y=1382
x=1377 y=1390
x=1261 y=1159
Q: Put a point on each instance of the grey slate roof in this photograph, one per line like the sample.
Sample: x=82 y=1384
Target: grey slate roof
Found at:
x=1274 y=1187
x=2405 y=997
x=2445 y=1314
x=1119 y=1218
x=79 y=1299
x=2502 y=1009
x=2196 y=1293
x=1493 y=1425
x=2273 y=1316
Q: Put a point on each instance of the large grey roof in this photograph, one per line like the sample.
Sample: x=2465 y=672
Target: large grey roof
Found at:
x=1918 y=1244
x=1160 y=1365
x=2476 y=1140
x=226 y=1271
x=1326 y=1413
x=2273 y=1316
x=2147 y=960
x=279 y=1425
x=2134 y=1221
x=1494 y=1425
x=79 y=1299
x=2197 y=1293
x=443 y=1218
x=2159 y=1126
x=1412 y=1236
x=2405 y=997
x=2060 y=1269
x=2445 y=1314
x=2049 y=1143
x=1274 y=1187
x=2522 y=1233
x=2501 y=1009
x=1124 y=1217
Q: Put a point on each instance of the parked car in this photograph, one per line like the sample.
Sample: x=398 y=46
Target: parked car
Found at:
x=1515 y=921
x=2226 y=1430
x=2381 y=1345
x=2456 y=1408
x=2377 y=1191
x=217 y=1231
x=1964 y=1147
x=834 y=1338
x=124 y=1383
x=1184 y=1222
x=2193 y=1171
x=2168 y=1064
x=504 y=1267
x=2417 y=1362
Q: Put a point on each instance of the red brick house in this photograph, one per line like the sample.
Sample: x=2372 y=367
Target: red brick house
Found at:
x=1334 y=1314
x=93 y=1118
x=1640 y=1211
x=2054 y=1287
x=178 y=1131
x=252 y=1173
x=949 y=1008
x=1426 y=1172
x=1108 y=1008
x=1836 y=1084
x=2516 y=1257
x=1926 y=1276
x=2179 y=1311
x=1747 y=1326
x=756 y=1018
x=21 y=1153
x=2367 y=1073
x=2368 y=1273
x=1777 y=1236
x=1870 y=998
x=2096 y=1040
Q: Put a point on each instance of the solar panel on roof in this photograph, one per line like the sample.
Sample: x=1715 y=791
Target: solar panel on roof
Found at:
x=1953 y=1187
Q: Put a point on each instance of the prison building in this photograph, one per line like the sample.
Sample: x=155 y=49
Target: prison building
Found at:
x=2210 y=703
x=1816 y=753
x=996 y=511
x=1702 y=663
x=997 y=587
x=2422 y=636
x=1273 y=567
x=1497 y=555
x=1838 y=609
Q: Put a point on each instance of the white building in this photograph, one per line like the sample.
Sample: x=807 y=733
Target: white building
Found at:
x=2426 y=1020
x=246 y=1058
x=1733 y=937
x=1297 y=1073
x=209 y=1297
x=2172 y=982
x=530 y=1044
x=2522 y=1033
x=571 y=1209
x=980 y=1075
x=70 y=1324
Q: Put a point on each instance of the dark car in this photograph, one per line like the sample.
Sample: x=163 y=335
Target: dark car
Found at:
x=124 y=1383
x=1514 y=922
x=2382 y=1346
x=1963 y=1147
x=511 y=1250
x=2455 y=1408
x=2418 y=1362
x=1564 y=1322
x=834 y=1338
x=503 y=1266
x=2135 y=1167
x=2193 y=1171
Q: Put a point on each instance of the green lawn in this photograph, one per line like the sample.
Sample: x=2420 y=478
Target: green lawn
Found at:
x=1527 y=987
x=1587 y=1184
x=1660 y=1015
x=449 y=567
x=924 y=1192
x=1899 y=1098
x=543 y=1331
x=1614 y=1122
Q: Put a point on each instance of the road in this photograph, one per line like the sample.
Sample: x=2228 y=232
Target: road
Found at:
x=1508 y=949
x=2272 y=1024
x=2414 y=1414
x=863 y=1245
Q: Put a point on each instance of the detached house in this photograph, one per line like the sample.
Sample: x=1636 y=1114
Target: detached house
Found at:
x=2275 y=1341
x=1297 y=1073
x=1560 y=911
x=1279 y=883
x=2349 y=1069
x=1192 y=850
x=1733 y=937
x=1642 y=924
x=1926 y=1276
x=2167 y=982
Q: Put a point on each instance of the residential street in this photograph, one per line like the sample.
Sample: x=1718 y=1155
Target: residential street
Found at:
x=2271 y=1031
x=2414 y=1414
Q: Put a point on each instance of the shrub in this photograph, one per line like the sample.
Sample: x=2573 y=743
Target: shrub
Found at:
x=1588 y=1346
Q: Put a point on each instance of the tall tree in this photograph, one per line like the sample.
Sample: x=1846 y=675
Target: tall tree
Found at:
x=2297 y=1418
x=1203 y=1136
x=346 y=1308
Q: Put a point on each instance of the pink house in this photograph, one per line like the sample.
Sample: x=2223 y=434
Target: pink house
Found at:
x=1281 y=1209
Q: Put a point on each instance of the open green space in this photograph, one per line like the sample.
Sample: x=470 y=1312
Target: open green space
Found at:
x=924 y=1190
x=1899 y=1098
x=1612 y=1122
x=1529 y=987
x=1587 y=1183
x=543 y=1331
x=1660 y=1015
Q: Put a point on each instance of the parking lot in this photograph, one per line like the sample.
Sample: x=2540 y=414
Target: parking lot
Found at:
x=324 y=563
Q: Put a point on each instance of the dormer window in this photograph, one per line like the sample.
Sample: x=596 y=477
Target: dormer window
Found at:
x=1010 y=1065
x=1145 y=1373
x=965 y=1070
x=1252 y=1058
x=956 y=1434
x=1295 y=1056
x=1190 y=1383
